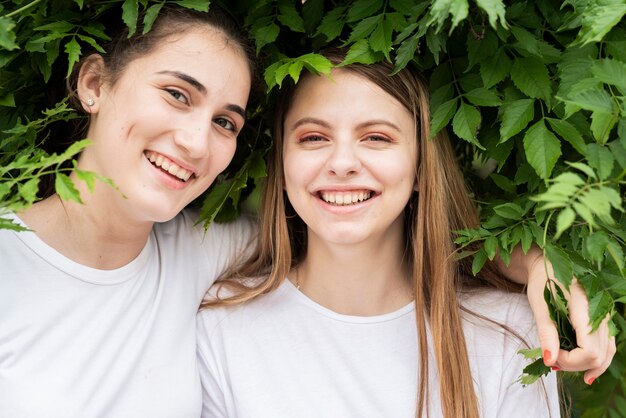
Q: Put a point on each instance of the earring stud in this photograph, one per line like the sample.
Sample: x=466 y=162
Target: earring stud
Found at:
x=90 y=102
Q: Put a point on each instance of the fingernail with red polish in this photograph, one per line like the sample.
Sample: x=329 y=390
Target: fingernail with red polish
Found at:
x=556 y=369
x=591 y=380
x=546 y=355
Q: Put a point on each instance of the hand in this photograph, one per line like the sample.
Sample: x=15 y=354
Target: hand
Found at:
x=595 y=350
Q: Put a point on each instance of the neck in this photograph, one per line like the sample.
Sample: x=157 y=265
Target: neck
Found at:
x=363 y=280
x=97 y=233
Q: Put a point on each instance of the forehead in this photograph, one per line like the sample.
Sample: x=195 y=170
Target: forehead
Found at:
x=202 y=52
x=345 y=94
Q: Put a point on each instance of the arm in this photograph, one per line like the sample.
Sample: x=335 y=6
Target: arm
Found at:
x=595 y=350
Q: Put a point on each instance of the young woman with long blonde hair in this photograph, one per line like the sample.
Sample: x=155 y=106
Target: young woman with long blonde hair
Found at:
x=377 y=317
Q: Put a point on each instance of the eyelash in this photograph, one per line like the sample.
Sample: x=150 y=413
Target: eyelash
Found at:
x=377 y=138
x=174 y=93
x=312 y=138
x=233 y=127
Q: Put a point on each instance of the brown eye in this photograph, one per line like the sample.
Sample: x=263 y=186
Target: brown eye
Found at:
x=226 y=124
x=177 y=95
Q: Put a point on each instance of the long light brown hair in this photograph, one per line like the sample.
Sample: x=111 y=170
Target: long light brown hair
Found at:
x=441 y=206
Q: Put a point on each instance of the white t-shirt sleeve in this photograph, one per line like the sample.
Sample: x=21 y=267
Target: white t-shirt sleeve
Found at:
x=497 y=364
x=539 y=399
x=214 y=404
x=220 y=245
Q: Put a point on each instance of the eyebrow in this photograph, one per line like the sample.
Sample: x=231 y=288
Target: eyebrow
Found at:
x=378 y=122
x=325 y=124
x=314 y=121
x=200 y=87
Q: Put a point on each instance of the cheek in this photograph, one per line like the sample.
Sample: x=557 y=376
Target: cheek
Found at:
x=221 y=155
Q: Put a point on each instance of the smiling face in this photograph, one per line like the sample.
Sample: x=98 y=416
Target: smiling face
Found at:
x=168 y=125
x=350 y=157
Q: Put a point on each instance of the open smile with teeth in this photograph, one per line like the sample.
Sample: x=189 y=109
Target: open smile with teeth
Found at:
x=168 y=166
x=345 y=198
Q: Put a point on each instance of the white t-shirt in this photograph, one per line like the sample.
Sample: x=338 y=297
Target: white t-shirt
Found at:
x=81 y=342
x=283 y=356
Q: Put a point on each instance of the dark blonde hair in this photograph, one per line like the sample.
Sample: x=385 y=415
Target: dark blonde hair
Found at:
x=441 y=206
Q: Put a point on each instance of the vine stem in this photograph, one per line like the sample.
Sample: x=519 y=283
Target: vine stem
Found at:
x=21 y=9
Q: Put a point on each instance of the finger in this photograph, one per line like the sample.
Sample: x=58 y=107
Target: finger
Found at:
x=548 y=339
x=591 y=375
x=592 y=352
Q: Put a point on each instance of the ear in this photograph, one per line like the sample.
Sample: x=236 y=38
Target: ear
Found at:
x=90 y=82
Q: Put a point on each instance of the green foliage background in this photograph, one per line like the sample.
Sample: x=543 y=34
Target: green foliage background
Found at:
x=533 y=93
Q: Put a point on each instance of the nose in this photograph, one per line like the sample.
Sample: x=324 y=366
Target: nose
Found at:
x=194 y=139
x=344 y=159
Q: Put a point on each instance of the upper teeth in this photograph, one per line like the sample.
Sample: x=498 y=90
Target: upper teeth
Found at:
x=168 y=165
x=346 y=198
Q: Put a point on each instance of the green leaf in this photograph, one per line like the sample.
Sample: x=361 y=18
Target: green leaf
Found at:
x=561 y=264
x=150 y=17
x=503 y=183
x=318 y=64
x=598 y=20
x=130 y=14
x=602 y=124
x=87 y=177
x=584 y=168
x=72 y=48
x=442 y=115
x=616 y=253
x=542 y=148
x=600 y=305
x=593 y=99
x=61 y=27
x=619 y=152
x=568 y=132
x=515 y=117
x=479 y=261
x=611 y=71
x=530 y=353
x=294 y=70
x=332 y=23
x=365 y=27
x=361 y=9
x=564 y=221
x=600 y=158
x=65 y=188
x=596 y=244
x=436 y=43
x=7 y=100
x=266 y=35
x=91 y=42
x=360 y=52
x=466 y=122
x=380 y=40
x=483 y=97
x=533 y=372
x=28 y=191
x=531 y=77
x=290 y=17
x=406 y=52
x=491 y=247
x=510 y=211
x=96 y=29
x=495 y=68
x=441 y=9
x=495 y=10
x=198 y=5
